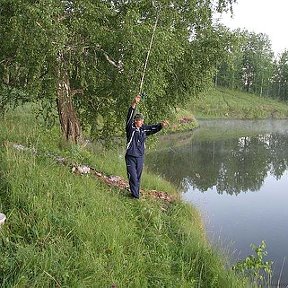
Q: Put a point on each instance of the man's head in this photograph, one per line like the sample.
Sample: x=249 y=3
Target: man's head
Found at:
x=138 y=120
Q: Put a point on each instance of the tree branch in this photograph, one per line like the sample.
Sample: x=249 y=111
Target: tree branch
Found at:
x=119 y=65
x=77 y=91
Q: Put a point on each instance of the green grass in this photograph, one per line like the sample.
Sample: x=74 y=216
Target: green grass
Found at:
x=64 y=230
x=181 y=120
x=222 y=103
x=226 y=103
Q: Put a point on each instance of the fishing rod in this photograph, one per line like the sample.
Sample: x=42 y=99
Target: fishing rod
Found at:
x=141 y=93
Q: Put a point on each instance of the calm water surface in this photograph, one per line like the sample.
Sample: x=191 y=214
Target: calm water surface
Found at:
x=236 y=173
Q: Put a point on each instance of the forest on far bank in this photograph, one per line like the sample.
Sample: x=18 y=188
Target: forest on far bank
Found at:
x=251 y=65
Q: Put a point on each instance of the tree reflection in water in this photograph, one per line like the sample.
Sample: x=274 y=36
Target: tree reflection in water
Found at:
x=224 y=159
x=232 y=165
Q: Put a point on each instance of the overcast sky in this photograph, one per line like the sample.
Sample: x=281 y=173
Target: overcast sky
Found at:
x=262 y=16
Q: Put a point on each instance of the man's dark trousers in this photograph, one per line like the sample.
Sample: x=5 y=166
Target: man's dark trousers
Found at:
x=134 y=170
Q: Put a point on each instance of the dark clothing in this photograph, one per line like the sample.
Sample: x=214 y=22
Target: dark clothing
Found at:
x=134 y=170
x=136 y=136
x=135 y=150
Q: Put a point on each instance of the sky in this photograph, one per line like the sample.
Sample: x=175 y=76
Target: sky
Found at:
x=261 y=16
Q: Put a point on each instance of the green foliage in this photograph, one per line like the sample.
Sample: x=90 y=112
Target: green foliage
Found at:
x=281 y=75
x=255 y=267
x=101 y=46
x=248 y=64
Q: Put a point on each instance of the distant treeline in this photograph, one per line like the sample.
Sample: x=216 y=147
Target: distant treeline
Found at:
x=251 y=65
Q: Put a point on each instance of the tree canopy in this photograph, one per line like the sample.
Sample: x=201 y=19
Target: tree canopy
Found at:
x=251 y=65
x=88 y=56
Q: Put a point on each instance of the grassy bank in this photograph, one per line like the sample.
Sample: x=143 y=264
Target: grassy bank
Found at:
x=233 y=104
x=222 y=103
x=67 y=230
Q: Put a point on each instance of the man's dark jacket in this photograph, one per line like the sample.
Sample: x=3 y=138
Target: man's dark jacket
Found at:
x=136 y=136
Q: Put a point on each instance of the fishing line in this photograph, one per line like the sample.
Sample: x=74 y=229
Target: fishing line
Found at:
x=148 y=54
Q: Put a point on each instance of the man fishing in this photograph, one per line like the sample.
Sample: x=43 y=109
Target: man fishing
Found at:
x=136 y=133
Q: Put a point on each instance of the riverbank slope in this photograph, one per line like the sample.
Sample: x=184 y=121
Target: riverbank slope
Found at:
x=233 y=104
x=66 y=229
x=223 y=103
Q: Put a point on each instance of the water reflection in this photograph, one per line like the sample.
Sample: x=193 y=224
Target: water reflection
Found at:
x=230 y=161
x=231 y=165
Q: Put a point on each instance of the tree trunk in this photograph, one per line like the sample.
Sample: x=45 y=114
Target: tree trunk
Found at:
x=68 y=118
x=261 y=88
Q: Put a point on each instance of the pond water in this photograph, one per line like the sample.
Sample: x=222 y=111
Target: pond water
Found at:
x=236 y=173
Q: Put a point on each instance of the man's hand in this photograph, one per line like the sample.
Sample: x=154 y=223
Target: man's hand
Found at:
x=165 y=123
x=135 y=101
